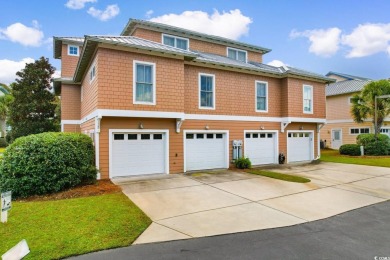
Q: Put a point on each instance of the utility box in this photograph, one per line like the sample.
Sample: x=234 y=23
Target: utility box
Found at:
x=237 y=149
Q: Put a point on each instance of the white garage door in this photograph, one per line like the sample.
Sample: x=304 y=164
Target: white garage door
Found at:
x=205 y=151
x=260 y=148
x=299 y=146
x=137 y=153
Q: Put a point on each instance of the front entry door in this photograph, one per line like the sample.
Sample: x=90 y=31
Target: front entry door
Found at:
x=336 y=138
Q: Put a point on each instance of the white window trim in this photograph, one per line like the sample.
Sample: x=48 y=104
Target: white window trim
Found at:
x=176 y=37
x=78 y=50
x=199 y=89
x=135 y=62
x=369 y=130
x=266 y=97
x=225 y=132
x=349 y=100
x=230 y=48
x=90 y=71
x=311 y=97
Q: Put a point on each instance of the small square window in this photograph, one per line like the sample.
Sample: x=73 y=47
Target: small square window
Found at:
x=210 y=136
x=255 y=135
x=145 y=136
x=119 y=137
x=157 y=136
x=247 y=135
x=262 y=135
x=300 y=134
x=269 y=135
x=73 y=50
x=306 y=134
x=199 y=136
x=289 y=134
x=132 y=136
x=189 y=136
x=295 y=135
x=219 y=136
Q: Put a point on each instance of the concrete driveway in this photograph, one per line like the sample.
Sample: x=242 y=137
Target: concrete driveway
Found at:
x=223 y=202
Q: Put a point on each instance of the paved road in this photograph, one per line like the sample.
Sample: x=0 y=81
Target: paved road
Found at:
x=360 y=234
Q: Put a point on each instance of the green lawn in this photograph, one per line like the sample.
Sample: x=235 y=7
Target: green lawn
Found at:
x=279 y=176
x=61 y=228
x=328 y=155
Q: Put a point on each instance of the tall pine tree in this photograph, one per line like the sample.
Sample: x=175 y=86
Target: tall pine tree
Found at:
x=33 y=109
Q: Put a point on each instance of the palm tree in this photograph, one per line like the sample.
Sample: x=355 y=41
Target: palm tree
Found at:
x=363 y=104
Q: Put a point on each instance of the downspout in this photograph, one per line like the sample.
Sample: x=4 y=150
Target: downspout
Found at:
x=97 y=144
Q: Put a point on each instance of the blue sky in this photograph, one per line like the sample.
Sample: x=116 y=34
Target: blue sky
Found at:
x=345 y=36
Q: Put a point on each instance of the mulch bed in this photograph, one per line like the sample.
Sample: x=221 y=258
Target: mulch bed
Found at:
x=99 y=188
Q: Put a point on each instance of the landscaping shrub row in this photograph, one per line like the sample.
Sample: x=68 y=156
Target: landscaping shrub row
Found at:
x=46 y=163
x=372 y=146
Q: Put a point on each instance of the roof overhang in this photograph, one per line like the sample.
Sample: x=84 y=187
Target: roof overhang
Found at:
x=133 y=24
x=91 y=44
x=59 y=41
x=57 y=84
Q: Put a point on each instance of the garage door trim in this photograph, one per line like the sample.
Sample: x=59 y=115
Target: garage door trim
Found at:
x=276 y=132
x=185 y=132
x=312 y=141
x=110 y=139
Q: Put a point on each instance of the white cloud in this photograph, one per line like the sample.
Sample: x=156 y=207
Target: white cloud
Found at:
x=149 y=13
x=110 y=12
x=27 y=36
x=78 y=4
x=276 y=63
x=368 y=39
x=56 y=74
x=232 y=24
x=323 y=42
x=8 y=69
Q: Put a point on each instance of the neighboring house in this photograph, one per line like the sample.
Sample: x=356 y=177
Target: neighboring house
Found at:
x=340 y=127
x=162 y=99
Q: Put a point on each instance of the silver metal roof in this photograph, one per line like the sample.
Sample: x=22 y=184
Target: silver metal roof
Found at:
x=346 y=86
x=189 y=33
x=346 y=76
x=133 y=41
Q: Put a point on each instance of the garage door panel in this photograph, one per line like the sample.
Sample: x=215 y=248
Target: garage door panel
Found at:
x=206 y=152
x=299 y=146
x=260 y=148
x=138 y=153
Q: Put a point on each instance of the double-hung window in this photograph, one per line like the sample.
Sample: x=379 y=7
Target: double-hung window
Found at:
x=174 y=41
x=144 y=87
x=236 y=54
x=206 y=91
x=307 y=99
x=261 y=96
x=73 y=50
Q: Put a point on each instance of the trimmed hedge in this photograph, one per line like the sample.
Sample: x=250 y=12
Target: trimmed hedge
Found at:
x=243 y=163
x=350 y=149
x=373 y=146
x=47 y=163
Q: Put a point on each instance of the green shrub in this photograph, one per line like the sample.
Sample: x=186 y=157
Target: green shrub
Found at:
x=372 y=146
x=243 y=163
x=46 y=163
x=350 y=149
x=3 y=142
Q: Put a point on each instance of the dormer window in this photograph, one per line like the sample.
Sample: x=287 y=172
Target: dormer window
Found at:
x=237 y=54
x=73 y=50
x=174 y=41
